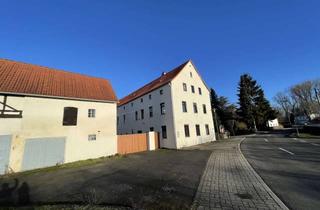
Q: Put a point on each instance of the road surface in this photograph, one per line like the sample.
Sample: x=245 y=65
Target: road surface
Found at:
x=289 y=166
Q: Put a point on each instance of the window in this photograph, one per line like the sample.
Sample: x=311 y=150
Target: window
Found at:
x=141 y=100
x=200 y=91
x=124 y=107
x=150 y=111
x=117 y=120
x=150 y=96
x=185 y=87
x=124 y=118
x=92 y=137
x=204 y=109
x=161 y=92
x=136 y=115
x=184 y=106
x=195 y=108
x=162 y=109
x=132 y=104
x=186 y=131
x=164 y=131
x=139 y=131
x=91 y=113
x=198 y=130
x=70 y=116
x=207 y=129
x=191 y=74
x=142 y=114
x=151 y=129
x=192 y=88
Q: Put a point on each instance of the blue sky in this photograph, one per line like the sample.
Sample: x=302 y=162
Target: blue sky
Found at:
x=132 y=42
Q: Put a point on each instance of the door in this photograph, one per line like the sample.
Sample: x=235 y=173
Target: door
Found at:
x=5 y=147
x=43 y=152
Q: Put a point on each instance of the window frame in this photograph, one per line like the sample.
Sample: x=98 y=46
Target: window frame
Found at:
x=184 y=107
x=185 y=87
x=195 y=108
x=150 y=111
x=192 y=89
x=199 y=90
x=162 y=108
x=142 y=114
x=92 y=137
x=198 y=131
x=204 y=108
x=164 y=133
x=91 y=113
x=186 y=130
x=207 y=129
x=67 y=121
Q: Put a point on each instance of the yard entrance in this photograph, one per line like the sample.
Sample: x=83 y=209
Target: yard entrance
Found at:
x=132 y=143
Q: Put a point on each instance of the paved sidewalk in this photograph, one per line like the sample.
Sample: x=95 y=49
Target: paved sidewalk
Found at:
x=229 y=182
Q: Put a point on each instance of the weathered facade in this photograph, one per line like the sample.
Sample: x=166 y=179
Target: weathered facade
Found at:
x=48 y=117
x=177 y=105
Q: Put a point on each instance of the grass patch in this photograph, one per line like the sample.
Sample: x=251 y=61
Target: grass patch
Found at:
x=304 y=136
x=76 y=164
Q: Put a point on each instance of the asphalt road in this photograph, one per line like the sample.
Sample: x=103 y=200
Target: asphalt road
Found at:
x=289 y=166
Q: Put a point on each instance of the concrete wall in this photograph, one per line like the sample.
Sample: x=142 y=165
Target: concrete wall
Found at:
x=190 y=118
x=156 y=121
x=43 y=117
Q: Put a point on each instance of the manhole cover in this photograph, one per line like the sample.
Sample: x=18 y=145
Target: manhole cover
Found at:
x=244 y=195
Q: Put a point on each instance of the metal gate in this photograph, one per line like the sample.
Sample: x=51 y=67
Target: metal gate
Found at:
x=5 y=147
x=43 y=152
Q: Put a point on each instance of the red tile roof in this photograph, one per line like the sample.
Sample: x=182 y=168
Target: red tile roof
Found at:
x=159 y=82
x=28 y=79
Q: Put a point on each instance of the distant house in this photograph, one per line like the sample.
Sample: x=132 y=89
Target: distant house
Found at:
x=49 y=116
x=177 y=105
x=273 y=123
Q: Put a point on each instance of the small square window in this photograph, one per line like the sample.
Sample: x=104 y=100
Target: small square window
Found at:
x=161 y=92
x=91 y=113
x=92 y=137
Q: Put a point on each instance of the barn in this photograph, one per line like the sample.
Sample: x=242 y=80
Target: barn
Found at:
x=50 y=117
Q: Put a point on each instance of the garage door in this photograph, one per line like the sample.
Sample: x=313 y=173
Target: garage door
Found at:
x=43 y=152
x=5 y=147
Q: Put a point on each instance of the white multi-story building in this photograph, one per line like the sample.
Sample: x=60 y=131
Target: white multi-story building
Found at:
x=177 y=105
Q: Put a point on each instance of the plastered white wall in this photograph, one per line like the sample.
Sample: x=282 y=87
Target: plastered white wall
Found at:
x=190 y=118
x=42 y=117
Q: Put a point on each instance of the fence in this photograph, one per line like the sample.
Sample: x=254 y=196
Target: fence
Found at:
x=132 y=143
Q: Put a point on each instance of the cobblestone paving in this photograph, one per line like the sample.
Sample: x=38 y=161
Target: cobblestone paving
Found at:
x=229 y=182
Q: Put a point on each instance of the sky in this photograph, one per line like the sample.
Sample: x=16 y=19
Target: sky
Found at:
x=131 y=42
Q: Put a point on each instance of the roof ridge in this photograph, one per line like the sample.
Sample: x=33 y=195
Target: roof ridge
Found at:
x=135 y=94
x=54 y=69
